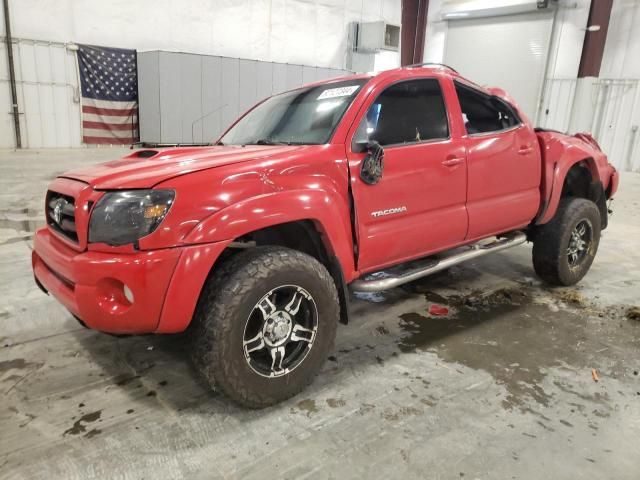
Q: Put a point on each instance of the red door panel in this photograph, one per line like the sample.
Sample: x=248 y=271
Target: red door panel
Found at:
x=417 y=208
x=504 y=181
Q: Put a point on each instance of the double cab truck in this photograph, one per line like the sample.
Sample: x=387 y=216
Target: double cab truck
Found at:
x=251 y=245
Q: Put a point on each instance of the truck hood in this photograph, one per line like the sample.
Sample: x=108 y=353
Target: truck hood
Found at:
x=148 y=167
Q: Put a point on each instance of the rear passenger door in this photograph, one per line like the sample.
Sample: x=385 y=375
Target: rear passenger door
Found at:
x=503 y=163
x=418 y=206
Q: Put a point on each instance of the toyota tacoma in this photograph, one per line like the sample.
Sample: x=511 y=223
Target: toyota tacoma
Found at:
x=252 y=244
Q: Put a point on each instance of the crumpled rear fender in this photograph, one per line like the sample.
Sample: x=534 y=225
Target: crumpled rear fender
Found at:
x=560 y=153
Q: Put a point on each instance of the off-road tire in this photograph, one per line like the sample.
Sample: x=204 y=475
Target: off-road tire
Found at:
x=551 y=240
x=225 y=304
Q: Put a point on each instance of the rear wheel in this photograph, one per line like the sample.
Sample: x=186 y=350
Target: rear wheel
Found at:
x=265 y=323
x=564 y=248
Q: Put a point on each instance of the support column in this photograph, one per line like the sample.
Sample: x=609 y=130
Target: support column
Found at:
x=583 y=108
x=12 y=75
x=414 y=24
x=593 y=47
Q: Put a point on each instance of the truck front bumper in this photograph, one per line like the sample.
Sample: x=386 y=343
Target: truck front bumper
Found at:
x=142 y=292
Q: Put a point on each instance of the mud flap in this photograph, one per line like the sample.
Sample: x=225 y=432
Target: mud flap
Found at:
x=596 y=193
x=343 y=293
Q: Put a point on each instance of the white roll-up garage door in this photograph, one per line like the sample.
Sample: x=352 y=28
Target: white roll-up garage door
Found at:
x=508 y=51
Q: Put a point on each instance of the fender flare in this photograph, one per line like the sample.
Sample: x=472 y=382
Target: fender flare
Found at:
x=555 y=181
x=327 y=210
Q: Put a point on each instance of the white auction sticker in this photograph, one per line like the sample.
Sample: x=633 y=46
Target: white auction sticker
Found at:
x=338 y=92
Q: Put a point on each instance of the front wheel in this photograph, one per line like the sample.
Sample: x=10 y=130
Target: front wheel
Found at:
x=265 y=323
x=564 y=248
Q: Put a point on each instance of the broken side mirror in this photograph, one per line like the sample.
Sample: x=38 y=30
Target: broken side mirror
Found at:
x=373 y=163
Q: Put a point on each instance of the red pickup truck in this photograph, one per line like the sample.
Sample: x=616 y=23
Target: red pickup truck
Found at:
x=253 y=243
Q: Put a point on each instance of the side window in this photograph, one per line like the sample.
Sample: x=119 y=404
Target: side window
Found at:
x=483 y=113
x=407 y=112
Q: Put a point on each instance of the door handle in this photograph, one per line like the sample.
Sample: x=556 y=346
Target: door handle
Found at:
x=451 y=162
x=524 y=150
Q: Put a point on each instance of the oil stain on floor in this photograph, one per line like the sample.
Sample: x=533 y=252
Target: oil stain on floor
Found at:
x=80 y=426
x=520 y=339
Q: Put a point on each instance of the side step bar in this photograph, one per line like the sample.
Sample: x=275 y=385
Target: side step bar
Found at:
x=401 y=274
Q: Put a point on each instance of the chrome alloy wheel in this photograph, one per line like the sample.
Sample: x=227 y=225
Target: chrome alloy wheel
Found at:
x=579 y=242
x=280 y=331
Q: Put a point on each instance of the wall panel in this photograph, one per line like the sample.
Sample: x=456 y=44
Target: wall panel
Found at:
x=616 y=121
x=264 y=80
x=170 y=93
x=230 y=81
x=47 y=86
x=309 y=74
x=294 y=76
x=191 y=97
x=555 y=111
x=279 y=77
x=196 y=97
x=149 y=95
x=212 y=102
x=248 y=85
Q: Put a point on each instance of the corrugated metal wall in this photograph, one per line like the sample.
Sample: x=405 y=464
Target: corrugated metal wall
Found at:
x=558 y=96
x=188 y=98
x=47 y=86
x=616 y=121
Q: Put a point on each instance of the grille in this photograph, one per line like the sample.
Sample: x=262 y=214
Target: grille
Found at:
x=61 y=214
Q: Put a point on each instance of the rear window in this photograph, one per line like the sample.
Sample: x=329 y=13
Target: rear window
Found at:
x=483 y=113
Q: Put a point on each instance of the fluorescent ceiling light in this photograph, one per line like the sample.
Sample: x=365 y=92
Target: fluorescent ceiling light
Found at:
x=456 y=14
x=486 y=10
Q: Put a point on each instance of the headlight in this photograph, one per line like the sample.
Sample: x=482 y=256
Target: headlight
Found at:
x=125 y=217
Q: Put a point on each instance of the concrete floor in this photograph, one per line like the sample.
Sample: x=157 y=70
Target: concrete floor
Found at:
x=502 y=387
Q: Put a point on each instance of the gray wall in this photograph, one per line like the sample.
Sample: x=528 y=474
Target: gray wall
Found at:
x=188 y=98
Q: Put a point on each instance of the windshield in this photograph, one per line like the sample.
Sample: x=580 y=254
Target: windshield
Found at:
x=306 y=116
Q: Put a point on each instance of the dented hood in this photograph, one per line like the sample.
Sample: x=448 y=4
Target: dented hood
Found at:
x=146 y=168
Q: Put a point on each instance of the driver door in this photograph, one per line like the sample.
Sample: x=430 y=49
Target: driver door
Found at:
x=418 y=205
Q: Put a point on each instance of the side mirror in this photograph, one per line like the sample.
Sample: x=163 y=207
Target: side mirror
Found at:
x=373 y=163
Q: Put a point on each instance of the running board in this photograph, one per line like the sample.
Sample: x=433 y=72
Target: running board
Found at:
x=401 y=274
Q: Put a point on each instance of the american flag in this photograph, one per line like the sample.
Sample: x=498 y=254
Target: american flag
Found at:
x=109 y=82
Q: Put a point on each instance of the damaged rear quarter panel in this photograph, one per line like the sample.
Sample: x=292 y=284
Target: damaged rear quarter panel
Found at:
x=560 y=152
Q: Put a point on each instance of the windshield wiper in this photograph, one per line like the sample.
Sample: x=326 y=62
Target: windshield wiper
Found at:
x=266 y=141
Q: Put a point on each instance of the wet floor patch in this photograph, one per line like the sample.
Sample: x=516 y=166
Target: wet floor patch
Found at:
x=125 y=379
x=17 y=364
x=21 y=220
x=307 y=406
x=19 y=225
x=470 y=310
x=80 y=425
x=506 y=334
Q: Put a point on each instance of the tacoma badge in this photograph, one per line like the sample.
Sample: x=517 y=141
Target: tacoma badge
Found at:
x=389 y=211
